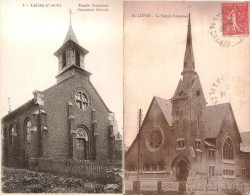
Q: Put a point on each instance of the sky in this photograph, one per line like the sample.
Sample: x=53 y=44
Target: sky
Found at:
x=31 y=34
x=132 y=59
x=154 y=52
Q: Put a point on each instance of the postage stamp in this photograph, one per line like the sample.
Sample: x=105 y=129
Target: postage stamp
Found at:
x=235 y=18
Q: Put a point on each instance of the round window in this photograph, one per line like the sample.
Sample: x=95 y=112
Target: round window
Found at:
x=154 y=139
x=82 y=101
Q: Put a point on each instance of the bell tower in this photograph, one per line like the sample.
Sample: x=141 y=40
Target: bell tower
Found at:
x=188 y=100
x=70 y=56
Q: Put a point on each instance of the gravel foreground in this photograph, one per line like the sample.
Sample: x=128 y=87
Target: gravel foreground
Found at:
x=25 y=181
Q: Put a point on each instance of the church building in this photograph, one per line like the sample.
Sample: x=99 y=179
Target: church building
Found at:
x=182 y=142
x=66 y=121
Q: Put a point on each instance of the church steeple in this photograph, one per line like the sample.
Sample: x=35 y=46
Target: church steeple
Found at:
x=70 y=35
x=189 y=72
x=70 y=55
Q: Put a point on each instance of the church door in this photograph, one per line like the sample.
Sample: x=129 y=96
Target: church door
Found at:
x=182 y=174
x=81 y=149
x=82 y=143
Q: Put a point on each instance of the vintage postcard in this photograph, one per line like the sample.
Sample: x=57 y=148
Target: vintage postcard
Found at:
x=61 y=96
x=186 y=97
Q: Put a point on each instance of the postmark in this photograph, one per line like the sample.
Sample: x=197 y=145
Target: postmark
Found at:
x=219 y=91
x=235 y=18
x=215 y=31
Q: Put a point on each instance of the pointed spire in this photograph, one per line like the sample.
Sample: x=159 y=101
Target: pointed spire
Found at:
x=70 y=35
x=189 y=55
x=188 y=72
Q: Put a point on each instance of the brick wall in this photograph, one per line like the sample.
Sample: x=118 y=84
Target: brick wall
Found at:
x=16 y=152
x=56 y=106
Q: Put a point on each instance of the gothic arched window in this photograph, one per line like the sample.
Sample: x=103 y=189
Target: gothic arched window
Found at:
x=154 y=166
x=161 y=165
x=228 y=149
x=146 y=166
x=131 y=166
x=11 y=134
x=28 y=130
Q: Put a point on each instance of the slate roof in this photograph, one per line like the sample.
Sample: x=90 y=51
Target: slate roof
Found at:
x=184 y=90
x=166 y=108
x=71 y=39
x=70 y=36
x=245 y=145
x=189 y=54
x=214 y=116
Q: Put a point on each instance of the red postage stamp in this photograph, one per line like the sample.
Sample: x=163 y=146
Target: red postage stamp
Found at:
x=235 y=18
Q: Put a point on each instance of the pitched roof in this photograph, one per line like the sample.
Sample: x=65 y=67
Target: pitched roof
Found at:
x=71 y=39
x=245 y=145
x=19 y=110
x=214 y=117
x=70 y=36
x=166 y=108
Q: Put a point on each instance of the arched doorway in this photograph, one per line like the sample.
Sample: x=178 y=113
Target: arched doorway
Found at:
x=180 y=167
x=182 y=171
x=82 y=144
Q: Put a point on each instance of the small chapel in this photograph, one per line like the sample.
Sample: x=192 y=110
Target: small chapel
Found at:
x=184 y=143
x=66 y=121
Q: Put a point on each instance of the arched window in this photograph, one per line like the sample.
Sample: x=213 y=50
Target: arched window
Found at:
x=146 y=166
x=154 y=166
x=228 y=149
x=28 y=130
x=161 y=166
x=131 y=166
x=11 y=134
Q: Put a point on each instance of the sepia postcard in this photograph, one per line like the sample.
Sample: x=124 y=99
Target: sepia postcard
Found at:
x=125 y=97
x=61 y=96
x=186 y=97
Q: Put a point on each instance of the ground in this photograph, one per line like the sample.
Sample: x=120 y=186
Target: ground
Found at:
x=25 y=181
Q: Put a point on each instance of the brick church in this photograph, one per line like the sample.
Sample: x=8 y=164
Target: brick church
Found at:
x=183 y=140
x=66 y=121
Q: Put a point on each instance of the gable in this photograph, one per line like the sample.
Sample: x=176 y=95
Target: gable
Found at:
x=214 y=117
x=197 y=86
x=158 y=106
x=68 y=85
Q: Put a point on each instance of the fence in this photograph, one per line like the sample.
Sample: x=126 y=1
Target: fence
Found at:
x=92 y=170
x=161 y=187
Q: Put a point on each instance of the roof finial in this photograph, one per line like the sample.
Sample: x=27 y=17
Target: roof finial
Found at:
x=70 y=12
